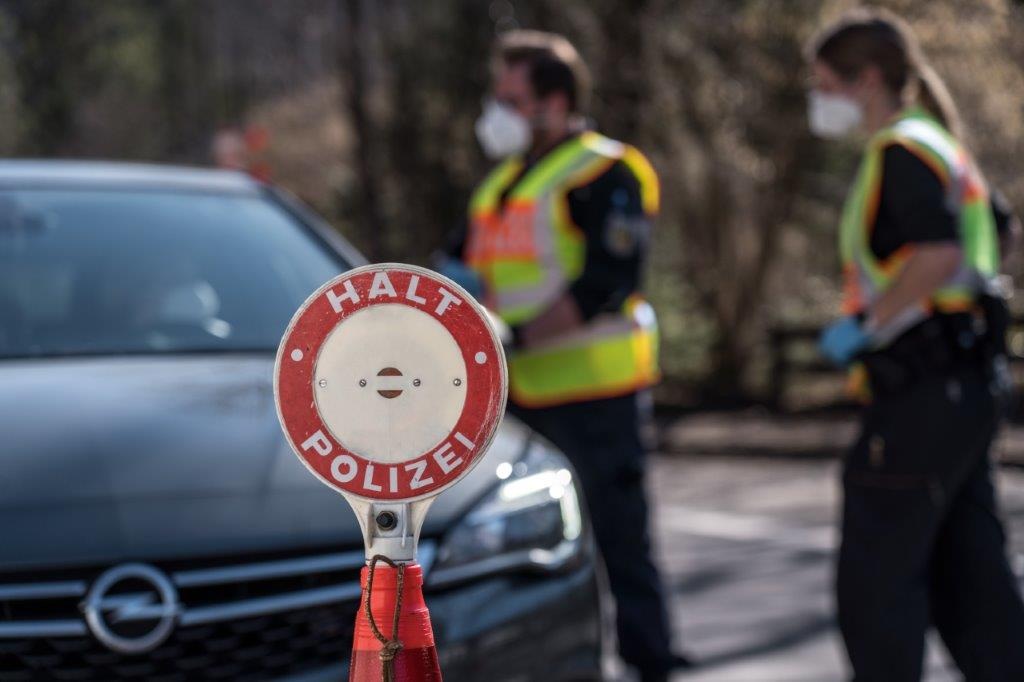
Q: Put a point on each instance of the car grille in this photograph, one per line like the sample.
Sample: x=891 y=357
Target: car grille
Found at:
x=248 y=648
x=252 y=619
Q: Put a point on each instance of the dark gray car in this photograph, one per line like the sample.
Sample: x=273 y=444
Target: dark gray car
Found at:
x=153 y=522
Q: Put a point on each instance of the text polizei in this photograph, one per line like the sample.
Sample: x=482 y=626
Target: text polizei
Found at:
x=411 y=476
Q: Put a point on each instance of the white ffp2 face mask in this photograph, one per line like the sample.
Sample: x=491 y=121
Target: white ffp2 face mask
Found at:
x=502 y=132
x=832 y=116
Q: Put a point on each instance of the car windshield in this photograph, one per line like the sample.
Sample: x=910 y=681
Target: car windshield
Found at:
x=128 y=271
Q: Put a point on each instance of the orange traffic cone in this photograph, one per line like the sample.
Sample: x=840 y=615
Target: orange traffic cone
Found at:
x=394 y=642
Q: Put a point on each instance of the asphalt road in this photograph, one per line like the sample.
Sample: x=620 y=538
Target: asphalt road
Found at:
x=747 y=547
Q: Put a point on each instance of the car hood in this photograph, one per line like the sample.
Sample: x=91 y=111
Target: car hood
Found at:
x=147 y=458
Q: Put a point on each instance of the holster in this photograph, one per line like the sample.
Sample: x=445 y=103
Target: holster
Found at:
x=997 y=319
x=942 y=345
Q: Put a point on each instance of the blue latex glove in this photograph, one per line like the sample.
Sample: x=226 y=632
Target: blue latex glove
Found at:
x=464 y=276
x=842 y=340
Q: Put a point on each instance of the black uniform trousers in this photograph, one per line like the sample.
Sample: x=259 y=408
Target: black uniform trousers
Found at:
x=922 y=538
x=603 y=441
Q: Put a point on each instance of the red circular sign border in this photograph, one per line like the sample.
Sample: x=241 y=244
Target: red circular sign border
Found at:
x=486 y=383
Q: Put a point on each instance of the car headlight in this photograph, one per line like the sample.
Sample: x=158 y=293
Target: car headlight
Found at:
x=532 y=519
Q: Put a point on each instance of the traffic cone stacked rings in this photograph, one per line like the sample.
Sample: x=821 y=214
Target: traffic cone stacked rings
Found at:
x=410 y=653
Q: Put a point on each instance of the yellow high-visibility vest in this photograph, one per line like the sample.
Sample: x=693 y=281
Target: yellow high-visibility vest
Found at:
x=528 y=252
x=866 y=277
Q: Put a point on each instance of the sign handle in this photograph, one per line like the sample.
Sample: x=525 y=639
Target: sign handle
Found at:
x=394 y=641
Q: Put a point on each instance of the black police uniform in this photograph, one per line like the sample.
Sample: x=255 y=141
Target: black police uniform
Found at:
x=922 y=538
x=604 y=438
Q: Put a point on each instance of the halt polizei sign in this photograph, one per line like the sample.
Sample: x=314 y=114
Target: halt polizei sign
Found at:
x=390 y=384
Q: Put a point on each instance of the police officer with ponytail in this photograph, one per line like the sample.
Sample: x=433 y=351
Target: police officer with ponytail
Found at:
x=922 y=334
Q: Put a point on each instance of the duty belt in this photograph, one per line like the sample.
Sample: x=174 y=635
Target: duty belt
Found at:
x=942 y=345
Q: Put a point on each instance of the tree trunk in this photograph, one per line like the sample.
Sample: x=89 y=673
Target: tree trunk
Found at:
x=352 y=72
x=47 y=48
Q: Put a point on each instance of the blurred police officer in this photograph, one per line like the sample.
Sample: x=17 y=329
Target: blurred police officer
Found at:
x=922 y=540
x=557 y=237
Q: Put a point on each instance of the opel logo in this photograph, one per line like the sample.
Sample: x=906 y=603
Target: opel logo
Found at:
x=131 y=608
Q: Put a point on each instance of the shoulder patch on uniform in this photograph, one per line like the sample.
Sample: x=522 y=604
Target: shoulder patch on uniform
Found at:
x=626 y=234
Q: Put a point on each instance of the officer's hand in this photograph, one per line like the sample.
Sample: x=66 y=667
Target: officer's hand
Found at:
x=465 y=277
x=842 y=340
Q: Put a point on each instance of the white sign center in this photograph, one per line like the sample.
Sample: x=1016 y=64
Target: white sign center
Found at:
x=390 y=382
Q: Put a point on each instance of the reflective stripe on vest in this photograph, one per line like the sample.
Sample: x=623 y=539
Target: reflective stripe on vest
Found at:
x=867 y=277
x=528 y=252
x=613 y=356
